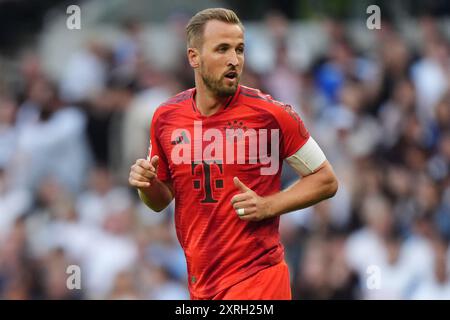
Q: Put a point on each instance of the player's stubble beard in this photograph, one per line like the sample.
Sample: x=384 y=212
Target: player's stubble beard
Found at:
x=217 y=85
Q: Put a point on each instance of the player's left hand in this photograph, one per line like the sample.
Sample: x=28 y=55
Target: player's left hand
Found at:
x=248 y=205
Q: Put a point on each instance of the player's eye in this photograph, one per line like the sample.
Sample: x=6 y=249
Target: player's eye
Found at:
x=222 y=49
x=240 y=50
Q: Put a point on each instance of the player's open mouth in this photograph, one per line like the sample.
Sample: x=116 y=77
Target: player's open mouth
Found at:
x=231 y=75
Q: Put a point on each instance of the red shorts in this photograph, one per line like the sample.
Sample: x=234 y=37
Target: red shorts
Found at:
x=272 y=283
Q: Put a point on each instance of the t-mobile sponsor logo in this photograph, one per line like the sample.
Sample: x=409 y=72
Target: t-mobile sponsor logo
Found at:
x=231 y=146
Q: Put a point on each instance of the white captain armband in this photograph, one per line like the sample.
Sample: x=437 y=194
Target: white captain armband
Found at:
x=308 y=158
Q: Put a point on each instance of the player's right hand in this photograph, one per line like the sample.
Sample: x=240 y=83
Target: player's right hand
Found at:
x=143 y=172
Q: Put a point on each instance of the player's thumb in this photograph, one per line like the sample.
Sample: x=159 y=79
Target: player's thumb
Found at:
x=154 y=162
x=241 y=186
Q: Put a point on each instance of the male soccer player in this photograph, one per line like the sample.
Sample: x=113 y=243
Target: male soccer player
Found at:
x=217 y=149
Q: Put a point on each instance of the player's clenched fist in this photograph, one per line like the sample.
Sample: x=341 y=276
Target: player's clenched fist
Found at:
x=143 y=172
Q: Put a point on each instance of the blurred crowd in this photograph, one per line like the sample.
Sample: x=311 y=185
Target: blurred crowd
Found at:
x=382 y=117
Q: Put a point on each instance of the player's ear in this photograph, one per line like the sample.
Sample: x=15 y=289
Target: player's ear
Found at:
x=193 y=57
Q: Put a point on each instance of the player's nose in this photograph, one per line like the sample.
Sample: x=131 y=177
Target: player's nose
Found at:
x=233 y=59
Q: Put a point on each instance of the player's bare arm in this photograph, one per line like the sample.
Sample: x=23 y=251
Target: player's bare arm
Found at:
x=316 y=184
x=155 y=193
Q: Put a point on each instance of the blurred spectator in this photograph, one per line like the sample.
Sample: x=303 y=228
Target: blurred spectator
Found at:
x=158 y=285
x=392 y=113
x=137 y=119
x=397 y=276
x=101 y=198
x=14 y=203
x=51 y=140
x=324 y=272
x=437 y=286
x=8 y=132
x=85 y=73
x=340 y=65
x=54 y=277
x=102 y=252
x=129 y=48
x=431 y=77
x=99 y=112
x=16 y=268
x=283 y=82
x=392 y=80
x=366 y=246
x=125 y=287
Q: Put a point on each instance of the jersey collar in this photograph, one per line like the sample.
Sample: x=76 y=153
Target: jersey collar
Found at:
x=230 y=102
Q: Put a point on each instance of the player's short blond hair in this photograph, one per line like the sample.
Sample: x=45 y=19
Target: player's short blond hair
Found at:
x=196 y=25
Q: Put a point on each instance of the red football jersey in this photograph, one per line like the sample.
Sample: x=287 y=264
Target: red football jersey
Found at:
x=201 y=156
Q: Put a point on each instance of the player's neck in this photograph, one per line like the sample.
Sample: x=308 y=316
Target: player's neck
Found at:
x=207 y=102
